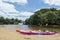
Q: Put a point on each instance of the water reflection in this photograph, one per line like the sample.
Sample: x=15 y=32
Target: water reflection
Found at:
x=28 y=27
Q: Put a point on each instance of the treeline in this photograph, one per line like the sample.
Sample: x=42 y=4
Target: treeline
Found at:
x=9 y=21
x=50 y=16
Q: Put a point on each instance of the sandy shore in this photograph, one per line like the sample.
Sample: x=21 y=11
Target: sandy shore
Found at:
x=11 y=34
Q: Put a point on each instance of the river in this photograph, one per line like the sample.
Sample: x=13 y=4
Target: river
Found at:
x=27 y=27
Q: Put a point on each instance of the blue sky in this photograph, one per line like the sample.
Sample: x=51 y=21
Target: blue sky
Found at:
x=33 y=5
x=23 y=9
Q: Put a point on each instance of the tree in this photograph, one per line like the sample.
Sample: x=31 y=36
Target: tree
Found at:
x=51 y=18
x=43 y=16
x=8 y=21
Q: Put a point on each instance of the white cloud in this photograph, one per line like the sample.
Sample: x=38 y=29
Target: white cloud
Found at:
x=27 y=14
x=7 y=7
x=3 y=14
x=17 y=1
x=52 y=2
x=9 y=11
x=36 y=10
x=21 y=15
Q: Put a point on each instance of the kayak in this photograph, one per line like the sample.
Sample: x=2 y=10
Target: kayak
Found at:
x=35 y=32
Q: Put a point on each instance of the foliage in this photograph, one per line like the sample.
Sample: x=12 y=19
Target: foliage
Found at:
x=49 y=16
x=9 y=21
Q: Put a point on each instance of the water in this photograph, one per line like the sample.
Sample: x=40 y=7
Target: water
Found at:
x=27 y=27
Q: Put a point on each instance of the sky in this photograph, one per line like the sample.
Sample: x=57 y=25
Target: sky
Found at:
x=23 y=9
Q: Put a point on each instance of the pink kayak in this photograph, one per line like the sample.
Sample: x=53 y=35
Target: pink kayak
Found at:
x=35 y=32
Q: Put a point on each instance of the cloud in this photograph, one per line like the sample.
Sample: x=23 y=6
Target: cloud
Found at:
x=52 y=2
x=17 y=1
x=27 y=14
x=36 y=10
x=7 y=7
x=8 y=11
x=21 y=15
x=3 y=14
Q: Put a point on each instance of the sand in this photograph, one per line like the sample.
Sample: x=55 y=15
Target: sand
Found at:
x=11 y=34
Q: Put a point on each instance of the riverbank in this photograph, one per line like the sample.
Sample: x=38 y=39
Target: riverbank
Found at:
x=11 y=34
